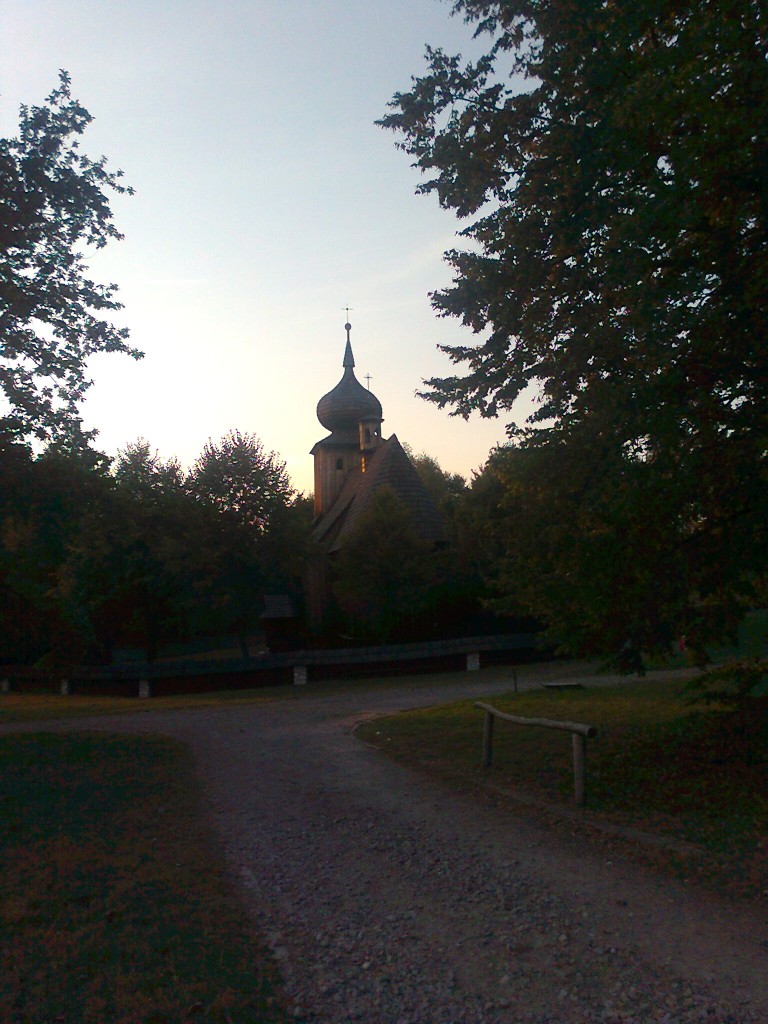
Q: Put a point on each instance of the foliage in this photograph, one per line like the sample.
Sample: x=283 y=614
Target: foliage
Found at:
x=444 y=487
x=458 y=591
x=110 y=873
x=384 y=574
x=735 y=684
x=93 y=561
x=623 y=230
x=615 y=259
x=587 y=546
x=137 y=565
x=54 y=204
x=141 y=470
x=482 y=534
x=242 y=480
x=264 y=525
x=467 y=599
x=40 y=505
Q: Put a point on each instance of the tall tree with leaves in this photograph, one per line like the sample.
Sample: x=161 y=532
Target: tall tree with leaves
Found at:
x=54 y=204
x=245 y=482
x=612 y=161
x=263 y=526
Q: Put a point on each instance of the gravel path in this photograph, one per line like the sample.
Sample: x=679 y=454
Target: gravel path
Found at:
x=387 y=899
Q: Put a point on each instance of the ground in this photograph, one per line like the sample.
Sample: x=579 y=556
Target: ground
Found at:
x=387 y=898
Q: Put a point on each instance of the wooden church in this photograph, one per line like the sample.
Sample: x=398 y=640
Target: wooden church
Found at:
x=351 y=464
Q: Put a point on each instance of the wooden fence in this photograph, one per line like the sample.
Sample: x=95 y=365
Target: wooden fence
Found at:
x=579 y=734
x=197 y=675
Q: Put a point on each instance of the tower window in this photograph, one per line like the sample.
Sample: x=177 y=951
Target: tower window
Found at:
x=339 y=463
x=367 y=435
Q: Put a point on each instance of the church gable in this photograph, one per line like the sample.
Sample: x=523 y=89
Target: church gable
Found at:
x=390 y=467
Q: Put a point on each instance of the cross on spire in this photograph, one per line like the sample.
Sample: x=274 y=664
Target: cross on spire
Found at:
x=347 y=325
x=368 y=381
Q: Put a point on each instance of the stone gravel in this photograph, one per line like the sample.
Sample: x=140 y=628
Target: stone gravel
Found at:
x=377 y=920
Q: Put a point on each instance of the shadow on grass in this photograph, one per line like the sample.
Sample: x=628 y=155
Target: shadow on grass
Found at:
x=114 y=907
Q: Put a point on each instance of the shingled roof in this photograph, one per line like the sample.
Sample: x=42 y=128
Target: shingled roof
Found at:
x=387 y=466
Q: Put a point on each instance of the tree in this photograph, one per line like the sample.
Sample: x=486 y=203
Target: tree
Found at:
x=612 y=160
x=445 y=488
x=54 y=204
x=460 y=588
x=264 y=526
x=385 y=574
x=42 y=504
x=141 y=470
x=242 y=480
x=93 y=560
x=593 y=551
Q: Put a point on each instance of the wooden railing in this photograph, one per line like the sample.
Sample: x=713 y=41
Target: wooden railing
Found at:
x=579 y=733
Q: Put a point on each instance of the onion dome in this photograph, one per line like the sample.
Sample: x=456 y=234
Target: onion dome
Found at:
x=349 y=402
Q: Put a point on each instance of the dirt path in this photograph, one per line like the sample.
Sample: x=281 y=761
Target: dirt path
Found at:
x=388 y=899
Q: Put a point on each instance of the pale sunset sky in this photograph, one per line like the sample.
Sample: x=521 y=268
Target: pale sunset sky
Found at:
x=266 y=201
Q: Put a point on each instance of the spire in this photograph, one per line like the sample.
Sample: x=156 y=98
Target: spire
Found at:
x=349 y=402
x=349 y=359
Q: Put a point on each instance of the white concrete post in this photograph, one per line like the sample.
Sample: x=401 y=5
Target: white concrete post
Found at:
x=299 y=675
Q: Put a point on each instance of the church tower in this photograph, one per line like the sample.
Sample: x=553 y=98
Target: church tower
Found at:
x=353 y=416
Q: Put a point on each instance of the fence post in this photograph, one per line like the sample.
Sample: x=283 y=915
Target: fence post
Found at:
x=580 y=767
x=145 y=690
x=488 y=740
x=299 y=675
x=66 y=688
x=5 y=685
x=473 y=661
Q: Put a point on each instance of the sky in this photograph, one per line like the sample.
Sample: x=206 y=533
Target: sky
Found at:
x=267 y=201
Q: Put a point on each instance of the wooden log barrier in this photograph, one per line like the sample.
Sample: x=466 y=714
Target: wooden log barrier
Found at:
x=580 y=732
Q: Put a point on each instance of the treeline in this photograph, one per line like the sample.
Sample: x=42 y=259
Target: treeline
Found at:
x=591 y=544
x=99 y=555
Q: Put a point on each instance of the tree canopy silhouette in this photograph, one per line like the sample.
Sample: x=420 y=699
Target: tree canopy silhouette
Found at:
x=54 y=204
x=611 y=162
x=242 y=480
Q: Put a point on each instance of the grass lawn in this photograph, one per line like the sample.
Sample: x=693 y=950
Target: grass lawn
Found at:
x=113 y=906
x=36 y=707
x=694 y=775
x=46 y=706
